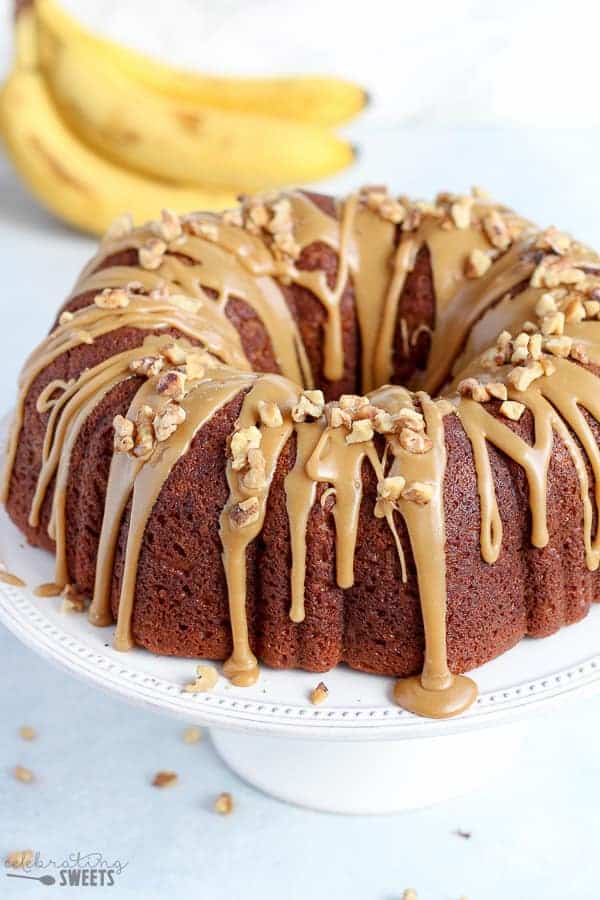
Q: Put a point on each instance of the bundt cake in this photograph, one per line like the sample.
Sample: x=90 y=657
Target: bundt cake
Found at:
x=204 y=440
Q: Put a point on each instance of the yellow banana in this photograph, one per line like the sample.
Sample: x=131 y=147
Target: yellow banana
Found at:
x=321 y=100
x=176 y=140
x=69 y=179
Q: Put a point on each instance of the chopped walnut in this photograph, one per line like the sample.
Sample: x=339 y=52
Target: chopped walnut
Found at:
x=559 y=346
x=497 y=390
x=592 y=308
x=383 y=422
x=207 y=230
x=123 y=437
x=168 y=226
x=553 y=323
x=386 y=207
x=391 y=488
x=553 y=271
x=149 y=366
x=27 y=733
x=245 y=513
x=522 y=377
x=255 y=480
x=172 y=384
x=496 y=230
x=410 y=418
x=233 y=217
x=206 y=679
x=151 y=253
x=477 y=263
x=470 y=387
x=310 y=403
x=112 y=298
x=420 y=492
x=460 y=211
x=546 y=304
x=25 y=776
x=319 y=694
x=575 y=311
x=144 y=432
x=224 y=804
x=192 y=735
x=512 y=409
x=554 y=240
x=241 y=443
x=414 y=441
x=175 y=354
x=270 y=414
x=120 y=228
x=361 y=431
x=166 y=422
x=165 y=779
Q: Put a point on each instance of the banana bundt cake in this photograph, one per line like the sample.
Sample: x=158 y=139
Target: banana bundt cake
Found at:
x=215 y=441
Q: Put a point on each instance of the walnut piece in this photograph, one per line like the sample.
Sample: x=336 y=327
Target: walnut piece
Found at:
x=224 y=804
x=270 y=414
x=166 y=422
x=319 y=694
x=477 y=263
x=112 y=298
x=240 y=444
x=164 y=779
x=361 y=431
x=123 y=437
x=151 y=253
x=310 y=403
x=206 y=679
x=172 y=384
x=420 y=492
x=27 y=733
x=391 y=488
x=191 y=735
x=245 y=513
x=25 y=776
x=512 y=409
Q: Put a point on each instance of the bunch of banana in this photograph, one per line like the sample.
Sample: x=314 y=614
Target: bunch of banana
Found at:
x=95 y=128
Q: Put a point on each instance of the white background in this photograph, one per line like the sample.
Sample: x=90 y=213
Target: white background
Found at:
x=534 y=830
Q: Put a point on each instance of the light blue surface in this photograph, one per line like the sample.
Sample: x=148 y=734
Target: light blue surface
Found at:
x=533 y=830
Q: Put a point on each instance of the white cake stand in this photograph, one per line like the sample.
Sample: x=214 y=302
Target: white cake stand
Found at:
x=356 y=753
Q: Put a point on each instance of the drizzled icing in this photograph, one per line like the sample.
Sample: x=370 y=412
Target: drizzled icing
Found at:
x=376 y=255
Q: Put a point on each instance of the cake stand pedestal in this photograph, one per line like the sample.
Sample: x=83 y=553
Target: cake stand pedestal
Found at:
x=369 y=778
x=355 y=753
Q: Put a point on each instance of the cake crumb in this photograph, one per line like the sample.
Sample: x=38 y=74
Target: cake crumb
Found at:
x=410 y=894
x=319 y=694
x=224 y=804
x=27 y=733
x=24 y=775
x=192 y=735
x=165 y=779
